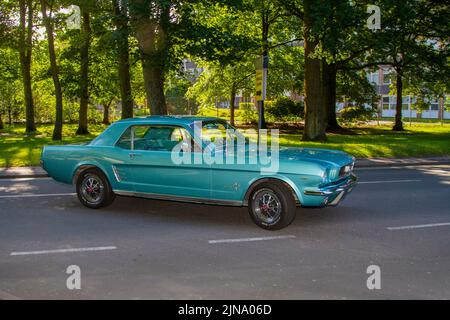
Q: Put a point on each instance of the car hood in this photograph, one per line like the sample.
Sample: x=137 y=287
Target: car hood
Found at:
x=321 y=156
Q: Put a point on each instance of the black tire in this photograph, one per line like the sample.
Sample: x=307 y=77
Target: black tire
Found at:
x=265 y=216
x=104 y=194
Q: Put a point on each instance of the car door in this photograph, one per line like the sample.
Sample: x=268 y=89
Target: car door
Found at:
x=155 y=167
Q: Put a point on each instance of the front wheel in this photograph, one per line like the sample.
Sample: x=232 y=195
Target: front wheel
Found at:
x=272 y=206
x=94 y=190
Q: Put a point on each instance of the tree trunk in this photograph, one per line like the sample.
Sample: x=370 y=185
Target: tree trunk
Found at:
x=232 y=102
x=84 y=72
x=57 y=131
x=265 y=25
x=25 y=49
x=154 y=87
x=121 y=23
x=330 y=98
x=9 y=114
x=106 y=107
x=1 y=122
x=315 y=110
x=152 y=40
x=398 y=126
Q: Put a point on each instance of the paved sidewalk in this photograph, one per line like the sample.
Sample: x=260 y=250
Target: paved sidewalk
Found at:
x=38 y=172
x=22 y=172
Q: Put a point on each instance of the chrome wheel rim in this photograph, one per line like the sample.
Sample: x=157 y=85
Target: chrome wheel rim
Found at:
x=267 y=206
x=92 y=189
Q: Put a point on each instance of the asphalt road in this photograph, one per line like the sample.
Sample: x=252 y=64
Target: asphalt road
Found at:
x=397 y=219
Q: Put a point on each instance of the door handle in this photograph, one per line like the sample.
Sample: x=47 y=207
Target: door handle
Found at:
x=132 y=155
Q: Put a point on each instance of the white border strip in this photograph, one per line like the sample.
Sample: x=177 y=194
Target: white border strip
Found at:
x=389 y=181
x=431 y=225
x=63 y=251
x=37 y=195
x=251 y=239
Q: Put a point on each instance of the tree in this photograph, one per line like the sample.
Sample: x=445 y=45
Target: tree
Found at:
x=120 y=20
x=47 y=19
x=104 y=83
x=409 y=40
x=151 y=21
x=84 y=70
x=223 y=81
x=25 y=47
x=315 y=108
x=167 y=31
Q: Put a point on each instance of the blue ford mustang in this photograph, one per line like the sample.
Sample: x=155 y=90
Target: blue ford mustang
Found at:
x=185 y=158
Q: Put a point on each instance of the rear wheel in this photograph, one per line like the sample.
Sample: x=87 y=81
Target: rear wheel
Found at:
x=94 y=190
x=272 y=206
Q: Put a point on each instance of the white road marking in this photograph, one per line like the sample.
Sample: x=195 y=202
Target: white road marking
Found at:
x=389 y=181
x=38 y=195
x=430 y=225
x=63 y=250
x=251 y=239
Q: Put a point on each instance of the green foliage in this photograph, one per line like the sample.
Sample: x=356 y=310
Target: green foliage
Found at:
x=285 y=109
x=421 y=104
x=248 y=112
x=216 y=82
x=11 y=99
x=357 y=113
x=176 y=87
x=355 y=87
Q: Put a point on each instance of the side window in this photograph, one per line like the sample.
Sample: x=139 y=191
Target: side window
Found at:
x=178 y=134
x=153 y=138
x=132 y=137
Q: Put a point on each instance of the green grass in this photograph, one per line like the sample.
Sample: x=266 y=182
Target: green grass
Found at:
x=420 y=139
x=380 y=141
x=18 y=149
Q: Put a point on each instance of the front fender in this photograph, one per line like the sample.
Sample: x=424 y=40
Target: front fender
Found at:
x=256 y=181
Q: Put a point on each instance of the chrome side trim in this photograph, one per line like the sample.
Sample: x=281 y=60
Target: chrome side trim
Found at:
x=116 y=173
x=178 y=198
x=317 y=193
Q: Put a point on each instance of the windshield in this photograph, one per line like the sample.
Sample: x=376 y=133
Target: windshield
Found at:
x=219 y=132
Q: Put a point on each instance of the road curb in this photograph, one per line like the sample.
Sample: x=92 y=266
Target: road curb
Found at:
x=22 y=172
x=400 y=162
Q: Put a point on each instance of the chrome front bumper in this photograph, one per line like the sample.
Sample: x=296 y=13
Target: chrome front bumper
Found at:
x=333 y=194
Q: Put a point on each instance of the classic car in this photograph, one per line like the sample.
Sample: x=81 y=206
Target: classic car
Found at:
x=140 y=157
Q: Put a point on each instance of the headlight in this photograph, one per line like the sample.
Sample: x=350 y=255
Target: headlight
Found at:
x=325 y=175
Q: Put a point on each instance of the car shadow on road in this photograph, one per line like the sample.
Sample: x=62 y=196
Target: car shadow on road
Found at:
x=203 y=215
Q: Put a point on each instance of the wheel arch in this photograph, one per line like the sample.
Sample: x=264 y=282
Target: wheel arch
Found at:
x=84 y=166
x=286 y=182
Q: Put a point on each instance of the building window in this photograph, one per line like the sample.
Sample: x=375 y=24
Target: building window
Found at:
x=393 y=102
x=373 y=77
x=405 y=103
x=386 y=103
x=387 y=75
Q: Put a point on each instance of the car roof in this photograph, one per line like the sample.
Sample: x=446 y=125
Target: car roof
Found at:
x=169 y=119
